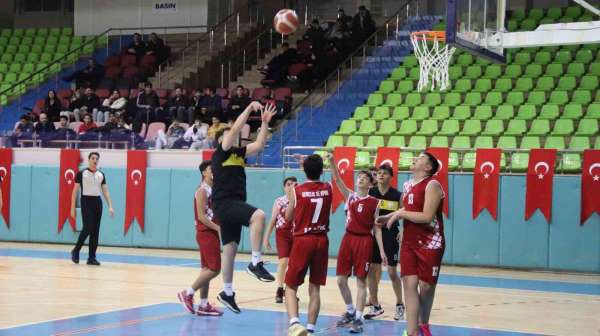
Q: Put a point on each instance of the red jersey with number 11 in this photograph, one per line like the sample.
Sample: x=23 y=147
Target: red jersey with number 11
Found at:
x=313 y=205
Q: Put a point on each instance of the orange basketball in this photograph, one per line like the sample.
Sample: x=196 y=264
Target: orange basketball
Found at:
x=286 y=21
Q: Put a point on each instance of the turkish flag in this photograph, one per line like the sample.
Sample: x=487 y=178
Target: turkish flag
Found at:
x=5 y=176
x=486 y=179
x=69 y=166
x=540 y=174
x=389 y=156
x=343 y=157
x=135 y=199
x=590 y=184
x=441 y=176
x=207 y=154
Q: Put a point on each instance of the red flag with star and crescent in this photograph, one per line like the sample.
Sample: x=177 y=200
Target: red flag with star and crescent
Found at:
x=442 y=154
x=389 y=156
x=486 y=178
x=540 y=175
x=5 y=176
x=344 y=158
x=590 y=184
x=69 y=166
x=135 y=199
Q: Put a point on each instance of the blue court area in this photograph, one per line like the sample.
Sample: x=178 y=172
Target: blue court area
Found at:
x=446 y=279
x=169 y=319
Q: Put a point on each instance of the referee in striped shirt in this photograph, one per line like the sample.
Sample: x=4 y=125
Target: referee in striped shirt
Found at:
x=92 y=182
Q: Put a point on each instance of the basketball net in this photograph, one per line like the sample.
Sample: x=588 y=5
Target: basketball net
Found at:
x=434 y=58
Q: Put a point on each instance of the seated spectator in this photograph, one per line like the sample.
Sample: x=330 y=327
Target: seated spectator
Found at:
x=148 y=106
x=216 y=126
x=178 y=107
x=174 y=133
x=346 y=20
x=44 y=125
x=89 y=76
x=276 y=70
x=340 y=35
x=195 y=136
x=52 y=106
x=137 y=47
x=75 y=104
x=87 y=126
x=63 y=131
x=326 y=64
x=156 y=46
x=23 y=130
x=316 y=35
x=237 y=104
x=363 y=25
x=90 y=103
x=112 y=104
x=210 y=105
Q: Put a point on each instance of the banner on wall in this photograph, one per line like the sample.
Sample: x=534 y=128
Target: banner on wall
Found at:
x=540 y=174
x=486 y=178
x=344 y=158
x=164 y=7
x=69 y=166
x=389 y=156
x=5 y=178
x=442 y=154
x=135 y=199
x=590 y=184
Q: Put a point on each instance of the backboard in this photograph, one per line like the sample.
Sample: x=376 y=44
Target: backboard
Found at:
x=470 y=24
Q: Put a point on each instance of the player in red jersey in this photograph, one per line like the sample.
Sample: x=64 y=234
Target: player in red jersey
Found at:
x=283 y=235
x=309 y=209
x=423 y=241
x=207 y=237
x=356 y=250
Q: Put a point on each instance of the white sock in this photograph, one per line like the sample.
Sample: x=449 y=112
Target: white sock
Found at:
x=310 y=327
x=358 y=315
x=190 y=291
x=203 y=302
x=256 y=257
x=228 y=288
x=294 y=320
x=350 y=308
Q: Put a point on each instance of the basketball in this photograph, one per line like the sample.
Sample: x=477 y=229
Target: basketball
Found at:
x=286 y=21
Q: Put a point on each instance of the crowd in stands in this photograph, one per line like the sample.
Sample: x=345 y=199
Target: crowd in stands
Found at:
x=319 y=52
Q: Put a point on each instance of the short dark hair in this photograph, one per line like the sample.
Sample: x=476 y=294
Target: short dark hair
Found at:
x=147 y=84
x=285 y=44
x=240 y=87
x=204 y=165
x=63 y=117
x=221 y=132
x=368 y=174
x=433 y=161
x=313 y=167
x=93 y=153
x=291 y=178
x=387 y=168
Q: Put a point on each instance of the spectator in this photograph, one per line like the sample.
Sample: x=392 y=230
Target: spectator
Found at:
x=87 y=125
x=211 y=105
x=327 y=63
x=340 y=36
x=316 y=35
x=63 y=131
x=148 y=106
x=362 y=25
x=75 y=104
x=23 y=130
x=137 y=47
x=346 y=20
x=112 y=104
x=178 y=107
x=44 y=125
x=276 y=70
x=195 y=136
x=216 y=126
x=156 y=46
x=52 y=106
x=174 y=133
x=89 y=104
x=89 y=76
x=237 y=104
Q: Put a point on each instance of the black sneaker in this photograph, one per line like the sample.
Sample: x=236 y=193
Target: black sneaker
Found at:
x=356 y=327
x=279 y=295
x=346 y=319
x=229 y=302
x=75 y=257
x=93 y=262
x=260 y=272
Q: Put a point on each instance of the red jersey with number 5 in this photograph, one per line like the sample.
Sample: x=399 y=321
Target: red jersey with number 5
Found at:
x=313 y=205
x=360 y=214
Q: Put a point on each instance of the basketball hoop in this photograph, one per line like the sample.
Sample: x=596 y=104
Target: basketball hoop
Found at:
x=434 y=58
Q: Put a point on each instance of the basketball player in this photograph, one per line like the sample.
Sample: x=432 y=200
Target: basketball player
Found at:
x=207 y=237
x=390 y=201
x=423 y=241
x=356 y=250
x=283 y=235
x=309 y=208
x=229 y=199
x=92 y=183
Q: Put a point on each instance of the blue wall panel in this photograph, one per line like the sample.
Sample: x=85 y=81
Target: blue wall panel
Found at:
x=112 y=229
x=44 y=205
x=20 y=199
x=182 y=230
x=156 y=217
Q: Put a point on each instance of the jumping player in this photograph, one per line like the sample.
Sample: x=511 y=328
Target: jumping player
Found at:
x=309 y=208
x=423 y=241
x=283 y=235
x=356 y=250
x=390 y=202
x=229 y=199
x=207 y=237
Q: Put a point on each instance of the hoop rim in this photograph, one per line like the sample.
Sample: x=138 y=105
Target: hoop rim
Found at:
x=429 y=35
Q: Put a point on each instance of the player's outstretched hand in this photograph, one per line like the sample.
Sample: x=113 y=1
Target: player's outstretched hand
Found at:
x=255 y=106
x=382 y=220
x=384 y=260
x=267 y=245
x=267 y=113
x=111 y=212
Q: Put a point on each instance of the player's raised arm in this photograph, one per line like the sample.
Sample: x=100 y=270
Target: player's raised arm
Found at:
x=266 y=115
x=230 y=137
x=338 y=180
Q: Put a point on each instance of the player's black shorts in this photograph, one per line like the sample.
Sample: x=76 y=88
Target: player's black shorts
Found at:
x=231 y=215
x=390 y=246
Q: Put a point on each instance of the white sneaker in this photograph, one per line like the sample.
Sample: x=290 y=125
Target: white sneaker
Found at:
x=297 y=329
x=374 y=311
x=399 y=315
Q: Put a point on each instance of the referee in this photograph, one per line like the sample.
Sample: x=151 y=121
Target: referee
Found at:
x=92 y=182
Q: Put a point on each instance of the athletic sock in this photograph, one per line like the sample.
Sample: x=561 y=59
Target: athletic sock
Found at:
x=203 y=302
x=256 y=257
x=228 y=288
x=190 y=291
x=350 y=308
x=358 y=315
x=310 y=327
x=294 y=320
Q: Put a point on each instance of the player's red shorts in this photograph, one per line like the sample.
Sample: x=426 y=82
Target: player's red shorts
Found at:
x=308 y=252
x=210 y=249
x=355 y=255
x=422 y=262
x=283 y=240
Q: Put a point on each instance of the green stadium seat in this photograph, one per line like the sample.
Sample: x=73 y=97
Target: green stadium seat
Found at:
x=512 y=25
x=536 y=14
x=554 y=13
x=473 y=72
x=3 y=68
x=392 y=100
x=503 y=85
x=381 y=113
x=386 y=86
x=504 y=112
x=518 y=15
x=407 y=127
x=559 y=97
x=524 y=84
x=471 y=127
x=375 y=99
x=450 y=127
x=484 y=142
x=587 y=127
x=573 y=12
x=428 y=127
x=14 y=40
x=522 y=58
x=516 y=127
x=6 y=32
x=46 y=58
x=515 y=98
x=363 y=160
x=539 y=127
x=567 y=83
x=6 y=58
x=405 y=86
x=530 y=142
x=361 y=113
x=347 y=127
x=15 y=67
x=482 y=112
x=11 y=49
x=406 y=159
x=542 y=58
x=76 y=40
x=462 y=86
x=398 y=73
x=412 y=99
x=578 y=142
x=461 y=113
x=396 y=141
x=493 y=98
x=528 y=24
x=417 y=142
x=24 y=49
x=453 y=161
x=572 y=111
x=556 y=142
x=492 y=71
x=455 y=72
x=400 y=113
x=570 y=162
x=554 y=70
x=512 y=71
x=563 y=127
x=472 y=99
x=597 y=96
x=461 y=142
x=583 y=97
x=563 y=57
x=533 y=71
x=591 y=46
x=507 y=142
x=597 y=143
x=387 y=127
x=367 y=127
x=334 y=141
x=464 y=60
x=576 y=69
x=452 y=99
x=375 y=141
x=420 y=113
x=18 y=32
x=54 y=32
x=20 y=58
x=410 y=61
x=493 y=127
x=589 y=83
x=414 y=74
x=68 y=31
x=549 y=112
x=544 y=84
x=584 y=56
x=482 y=85
x=565 y=19
x=482 y=61
x=536 y=98
x=440 y=113
x=432 y=99
x=355 y=141
x=593 y=111
x=439 y=141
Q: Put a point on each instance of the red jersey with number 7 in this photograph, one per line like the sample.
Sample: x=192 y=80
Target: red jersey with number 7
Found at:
x=313 y=205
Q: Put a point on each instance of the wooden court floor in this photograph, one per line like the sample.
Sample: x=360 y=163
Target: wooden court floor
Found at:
x=38 y=283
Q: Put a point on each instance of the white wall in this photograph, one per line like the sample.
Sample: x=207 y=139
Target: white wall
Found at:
x=92 y=17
